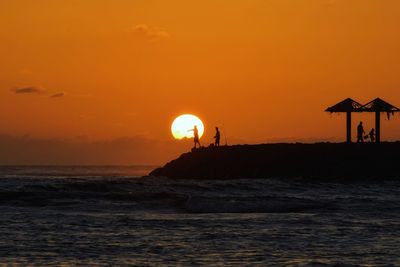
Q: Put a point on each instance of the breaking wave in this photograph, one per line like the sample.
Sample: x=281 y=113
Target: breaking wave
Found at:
x=192 y=196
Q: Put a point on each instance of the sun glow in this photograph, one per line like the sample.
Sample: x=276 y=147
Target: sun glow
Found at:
x=183 y=125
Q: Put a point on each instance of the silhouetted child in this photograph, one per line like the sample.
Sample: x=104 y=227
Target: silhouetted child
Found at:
x=360 y=132
x=217 y=136
x=196 y=136
x=372 y=135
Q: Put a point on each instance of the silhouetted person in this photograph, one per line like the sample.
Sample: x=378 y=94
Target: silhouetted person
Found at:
x=217 y=136
x=196 y=136
x=360 y=132
x=372 y=135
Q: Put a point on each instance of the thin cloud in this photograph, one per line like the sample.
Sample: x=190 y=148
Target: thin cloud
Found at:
x=29 y=90
x=152 y=34
x=57 y=95
x=37 y=90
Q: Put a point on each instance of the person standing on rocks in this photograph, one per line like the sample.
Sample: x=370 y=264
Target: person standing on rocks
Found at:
x=360 y=133
x=217 y=136
x=372 y=135
x=196 y=136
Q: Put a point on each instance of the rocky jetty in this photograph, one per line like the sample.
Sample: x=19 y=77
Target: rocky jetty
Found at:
x=308 y=161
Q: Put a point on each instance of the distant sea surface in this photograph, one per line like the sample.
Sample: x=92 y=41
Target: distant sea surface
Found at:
x=96 y=216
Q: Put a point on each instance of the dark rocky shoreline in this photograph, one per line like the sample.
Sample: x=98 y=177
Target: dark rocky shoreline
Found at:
x=318 y=161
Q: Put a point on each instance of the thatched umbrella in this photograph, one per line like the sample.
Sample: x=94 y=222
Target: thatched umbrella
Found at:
x=348 y=106
x=378 y=105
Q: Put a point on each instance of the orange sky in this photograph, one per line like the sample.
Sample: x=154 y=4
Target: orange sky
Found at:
x=259 y=69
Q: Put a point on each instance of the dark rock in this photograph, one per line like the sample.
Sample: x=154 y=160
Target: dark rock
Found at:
x=318 y=161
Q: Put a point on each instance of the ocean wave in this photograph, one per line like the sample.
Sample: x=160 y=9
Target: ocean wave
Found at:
x=252 y=205
x=192 y=196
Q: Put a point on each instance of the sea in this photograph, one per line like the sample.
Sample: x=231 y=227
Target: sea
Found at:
x=118 y=216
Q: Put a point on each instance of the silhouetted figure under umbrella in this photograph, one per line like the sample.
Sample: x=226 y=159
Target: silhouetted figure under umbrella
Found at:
x=217 y=136
x=372 y=135
x=360 y=132
x=196 y=136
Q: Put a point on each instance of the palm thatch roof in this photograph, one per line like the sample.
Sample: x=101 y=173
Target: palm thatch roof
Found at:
x=347 y=105
x=379 y=105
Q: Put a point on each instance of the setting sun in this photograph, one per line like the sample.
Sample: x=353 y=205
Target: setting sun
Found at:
x=183 y=125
